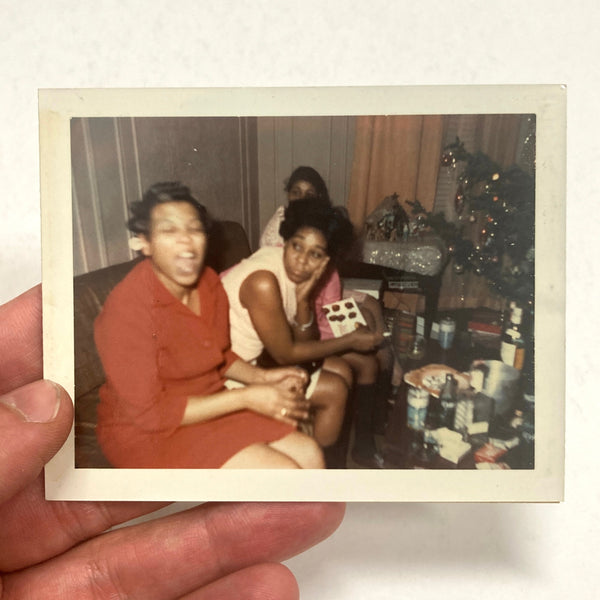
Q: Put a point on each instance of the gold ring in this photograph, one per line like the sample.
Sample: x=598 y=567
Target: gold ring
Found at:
x=284 y=412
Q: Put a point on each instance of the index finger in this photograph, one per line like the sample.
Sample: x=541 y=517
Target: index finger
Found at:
x=296 y=372
x=181 y=553
x=21 y=340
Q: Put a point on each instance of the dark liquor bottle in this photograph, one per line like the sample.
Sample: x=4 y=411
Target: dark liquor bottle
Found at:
x=426 y=448
x=448 y=400
x=435 y=415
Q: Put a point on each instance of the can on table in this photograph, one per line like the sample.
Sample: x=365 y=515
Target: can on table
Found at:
x=446 y=333
x=417 y=401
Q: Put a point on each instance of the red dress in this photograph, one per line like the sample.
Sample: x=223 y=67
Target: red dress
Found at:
x=156 y=353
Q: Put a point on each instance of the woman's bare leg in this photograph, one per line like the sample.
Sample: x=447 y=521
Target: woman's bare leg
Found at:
x=364 y=366
x=304 y=450
x=329 y=400
x=294 y=451
x=339 y=366
x=260 y=456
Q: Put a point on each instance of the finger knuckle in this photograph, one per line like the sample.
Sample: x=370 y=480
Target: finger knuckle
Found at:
x=102 y=581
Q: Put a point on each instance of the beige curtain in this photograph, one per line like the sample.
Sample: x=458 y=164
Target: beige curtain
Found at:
x=498 y=137
x=394 y=154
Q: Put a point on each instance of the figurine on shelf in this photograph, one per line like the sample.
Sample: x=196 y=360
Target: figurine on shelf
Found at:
x=388 y=222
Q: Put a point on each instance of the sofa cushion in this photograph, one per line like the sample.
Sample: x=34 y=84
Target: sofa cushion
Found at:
x=228 y=245
x=89 y=294
x=88 y=453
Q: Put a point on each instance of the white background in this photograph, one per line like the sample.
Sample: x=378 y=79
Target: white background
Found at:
x=381 y=550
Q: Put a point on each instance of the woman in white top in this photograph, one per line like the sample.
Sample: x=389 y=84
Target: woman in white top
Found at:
x=271 y=308
x=372 y=371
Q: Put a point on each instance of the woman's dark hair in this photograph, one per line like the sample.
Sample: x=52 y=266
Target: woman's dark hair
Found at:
x=311 y=176
x=160 y=193
x=331 y=221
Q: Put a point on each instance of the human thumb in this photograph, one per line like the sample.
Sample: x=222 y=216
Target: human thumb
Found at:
x=34 y=423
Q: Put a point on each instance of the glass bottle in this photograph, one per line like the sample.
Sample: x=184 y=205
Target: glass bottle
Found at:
x=512 y=347
x=465 y=408
x=448 y=401
x=435 y=416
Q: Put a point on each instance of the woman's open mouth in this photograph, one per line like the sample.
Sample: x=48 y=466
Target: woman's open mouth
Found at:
x=187 y=263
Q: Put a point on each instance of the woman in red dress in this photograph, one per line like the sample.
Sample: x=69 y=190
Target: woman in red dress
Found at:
x=163 y=338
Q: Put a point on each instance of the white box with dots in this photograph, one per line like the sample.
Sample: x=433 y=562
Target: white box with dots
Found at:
x=343 y=316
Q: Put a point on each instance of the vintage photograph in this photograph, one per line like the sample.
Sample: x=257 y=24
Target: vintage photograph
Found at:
x=319 y=299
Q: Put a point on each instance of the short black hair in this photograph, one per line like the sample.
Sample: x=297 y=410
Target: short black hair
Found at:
x=311 y=176
x=331 y=221
x=161 y=193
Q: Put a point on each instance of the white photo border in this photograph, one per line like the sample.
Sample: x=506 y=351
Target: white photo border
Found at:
x=544 y=483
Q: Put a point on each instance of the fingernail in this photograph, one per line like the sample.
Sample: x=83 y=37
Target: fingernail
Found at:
x=36 y=402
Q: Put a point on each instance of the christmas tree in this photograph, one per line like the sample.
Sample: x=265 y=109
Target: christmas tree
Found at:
x=494 y=234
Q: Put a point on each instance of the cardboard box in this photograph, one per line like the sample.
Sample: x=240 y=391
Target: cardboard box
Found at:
x=370 y=287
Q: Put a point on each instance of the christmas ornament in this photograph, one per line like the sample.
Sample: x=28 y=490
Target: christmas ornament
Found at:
x=448 y=159
x=459 y=200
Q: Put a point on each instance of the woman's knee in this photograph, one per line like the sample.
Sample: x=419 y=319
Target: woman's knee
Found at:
x=373 y=308
x=261 y=456
x=313 y=455
x=333 y=388
x=340 y=367
x=303 y=449
x=366 y=367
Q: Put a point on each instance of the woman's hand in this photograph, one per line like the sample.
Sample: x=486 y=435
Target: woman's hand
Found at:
x=305 y=289
x=61 y=550
x=283 y=400
x=292 y=377
x=363 y=339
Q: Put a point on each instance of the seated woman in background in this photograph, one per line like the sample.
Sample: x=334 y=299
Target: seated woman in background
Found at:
x=271 y=308
x=163 y=339
x=375 y=372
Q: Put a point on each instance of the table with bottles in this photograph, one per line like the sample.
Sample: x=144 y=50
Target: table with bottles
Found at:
x=461 y=406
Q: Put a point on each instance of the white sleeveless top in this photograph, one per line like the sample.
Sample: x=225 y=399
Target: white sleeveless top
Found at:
x=270 y=235
x=244 y=339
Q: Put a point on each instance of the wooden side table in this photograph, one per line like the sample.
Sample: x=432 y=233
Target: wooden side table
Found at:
x=413 y=283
